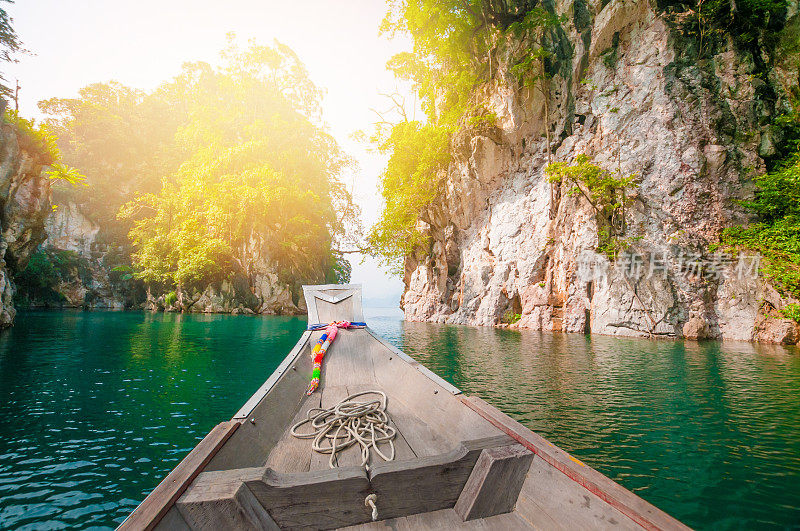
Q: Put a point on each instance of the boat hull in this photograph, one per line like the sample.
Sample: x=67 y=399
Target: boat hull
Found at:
x=460 y=463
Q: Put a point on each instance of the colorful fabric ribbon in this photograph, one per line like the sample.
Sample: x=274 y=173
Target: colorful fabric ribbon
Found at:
x=322 y=346
x=350 y=325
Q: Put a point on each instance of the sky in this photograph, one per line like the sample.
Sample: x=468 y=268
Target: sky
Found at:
x=144 y=43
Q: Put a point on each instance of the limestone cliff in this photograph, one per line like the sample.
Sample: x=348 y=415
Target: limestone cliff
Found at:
x=90 y=281
x=505 y=241
x=87 y=280
x=24 y=205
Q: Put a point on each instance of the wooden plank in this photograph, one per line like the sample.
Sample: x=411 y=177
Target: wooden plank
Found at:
x=640 y=511
x=332 y=395
x=501 y=522
x=172 y=521
x=342 y=365
x=349 y=361
x=292 y=454
x=495 y=482
x=445 y=519
x=158 y=502
x=350 y=370
x=221 y=500
x=320 y=499
x=402 y=449
x=442 y=519
x=427 y=398
x=551 y=500
x=423 y=439
x=333 y=302
x=426 y=483
x=262 y=391
x=441 y=411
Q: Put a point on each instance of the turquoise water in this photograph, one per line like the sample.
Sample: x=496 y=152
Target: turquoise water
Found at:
x=95 y=408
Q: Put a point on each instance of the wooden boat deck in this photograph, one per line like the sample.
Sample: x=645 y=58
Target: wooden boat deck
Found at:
x=459 y=464
x=359 y=362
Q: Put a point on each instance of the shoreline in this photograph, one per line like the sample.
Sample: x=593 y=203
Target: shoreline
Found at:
x=370 y=313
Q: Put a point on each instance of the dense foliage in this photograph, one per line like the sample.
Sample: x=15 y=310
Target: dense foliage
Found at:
x=213 y=171
x=410 y=182
x=456 y=46
x=710 y=23
x=776 y=233
x=34 y=137
x=122 y=139
x=606 y=193
x=46 y=268
x=9 y=45
x=37 y=138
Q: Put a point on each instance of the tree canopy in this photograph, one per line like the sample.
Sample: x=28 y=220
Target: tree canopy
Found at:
x=9 y=45
x=456 y=46
x=215 y=170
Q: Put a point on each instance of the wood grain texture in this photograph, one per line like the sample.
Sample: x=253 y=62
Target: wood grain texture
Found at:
x=290 y=453
x=172 y=521
x=445 y=519
x=426 y=483
x=444 y=384
x=644 y=514
x=551 y=500
x=333 y=302
x=224 y=505
x=324 y=499
x=402 y=449
x=427 y=402
x=332 y=395
x=495 y=482
x=161 y=500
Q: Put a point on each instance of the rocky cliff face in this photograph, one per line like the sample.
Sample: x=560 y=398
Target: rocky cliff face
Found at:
x=87 y=281
x=92 y=283
x=24 y=205
x=506 y=242
x=253 y=287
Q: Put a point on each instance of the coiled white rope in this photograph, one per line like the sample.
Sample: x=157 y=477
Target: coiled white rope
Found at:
x=350 y=422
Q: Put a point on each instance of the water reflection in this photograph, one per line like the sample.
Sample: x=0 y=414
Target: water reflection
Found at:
x=708 y=431
x=95 y=408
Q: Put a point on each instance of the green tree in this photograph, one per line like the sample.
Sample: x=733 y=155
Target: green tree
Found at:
x=260 y=178
x=122 y=139
x=418 y=153
x=456 y=46
x=606 y=193
x=10 y=45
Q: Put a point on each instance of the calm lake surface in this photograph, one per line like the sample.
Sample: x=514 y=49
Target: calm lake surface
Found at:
x=95 y=408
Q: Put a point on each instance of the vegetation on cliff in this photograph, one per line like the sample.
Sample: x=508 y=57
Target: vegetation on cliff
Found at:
x=607 y=194
x=457 y=47
x=775 y=232
x=211 y=172
x=708 y=25
x=46 y=268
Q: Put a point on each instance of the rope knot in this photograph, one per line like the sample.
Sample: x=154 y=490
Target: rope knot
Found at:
x=370 y=502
